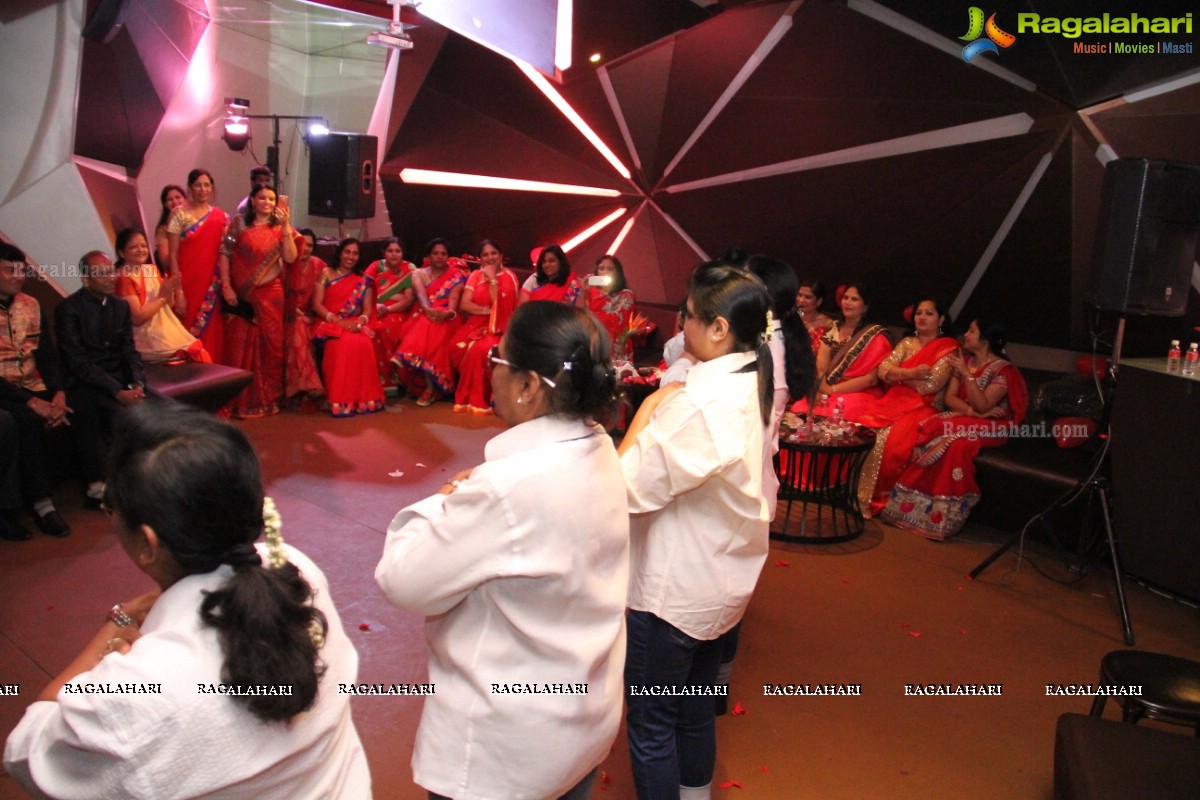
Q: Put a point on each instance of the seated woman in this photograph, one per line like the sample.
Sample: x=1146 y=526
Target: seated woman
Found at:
x=488 y=302
x=423 y=355
x=613 y=304
x=986 y=394
x=915 y=375
x=852 y=352
x=343 y=299
x=394 y=298
x=553 y=279
x=227 y=619
x=809 y=298
x=521 y=566
x=304 y=385
x=157 y=332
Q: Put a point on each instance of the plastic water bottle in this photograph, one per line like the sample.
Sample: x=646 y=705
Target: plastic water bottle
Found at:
x=1173 y=356
x=840 y=409
x=1189 y=361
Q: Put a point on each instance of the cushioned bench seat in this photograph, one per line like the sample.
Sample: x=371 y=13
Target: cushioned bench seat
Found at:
x=207 y=386
x=1099 y=759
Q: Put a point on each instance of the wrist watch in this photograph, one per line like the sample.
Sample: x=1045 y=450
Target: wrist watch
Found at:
x=118 y=617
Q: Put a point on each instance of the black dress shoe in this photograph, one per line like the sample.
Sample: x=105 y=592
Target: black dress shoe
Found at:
x=53 y=524
x=13 y=531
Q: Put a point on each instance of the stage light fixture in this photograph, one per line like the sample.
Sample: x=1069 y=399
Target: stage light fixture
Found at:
x=237 y=124
x=396 y=36
x=318 y=128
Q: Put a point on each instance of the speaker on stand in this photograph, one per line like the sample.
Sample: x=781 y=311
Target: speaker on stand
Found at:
x=1145 y=248
x=342 y=175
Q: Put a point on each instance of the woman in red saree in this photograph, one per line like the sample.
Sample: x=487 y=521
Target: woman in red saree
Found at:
x=809 y=298
x=852 y=352
x=302 y=378
x=423 y=356
x=915 y=374
x=613 y=305
x=193 y=238
x=489 y=300
x=251 y=267
x=393 y=303
x=986 y=395
x=344 y=300
x=553 y=279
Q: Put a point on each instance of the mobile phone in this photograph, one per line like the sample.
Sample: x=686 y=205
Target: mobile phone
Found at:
x=599 y=280
x=283 y=201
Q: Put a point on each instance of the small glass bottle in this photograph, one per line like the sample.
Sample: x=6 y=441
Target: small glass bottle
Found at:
x=1189 y=361
x=1174 y=356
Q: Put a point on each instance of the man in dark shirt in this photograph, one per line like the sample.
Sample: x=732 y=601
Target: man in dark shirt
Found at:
x=102 y=366
x=31 y=397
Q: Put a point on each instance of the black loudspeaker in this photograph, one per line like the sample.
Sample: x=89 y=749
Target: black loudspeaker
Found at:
x=1146 y=239
x=341 y=175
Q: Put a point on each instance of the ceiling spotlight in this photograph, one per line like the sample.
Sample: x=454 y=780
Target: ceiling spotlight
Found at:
x=595 y=58
x=318 y=128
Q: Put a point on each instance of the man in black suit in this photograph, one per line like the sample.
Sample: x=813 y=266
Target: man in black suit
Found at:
x=103 y=369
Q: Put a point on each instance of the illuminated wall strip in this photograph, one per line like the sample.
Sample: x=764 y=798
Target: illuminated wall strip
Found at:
x=1178 y=82
x=615 y=105
x=588 y=233
x=562 y=34
x=682 y=233
x=439 y=178
x=985 y=260
x=949 y=46
x=985 y=130
x=1196 y=276
x=781 y=26
x=628 y=226
x=543 y=85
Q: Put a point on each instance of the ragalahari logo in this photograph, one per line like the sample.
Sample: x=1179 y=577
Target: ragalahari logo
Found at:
x=976 y=27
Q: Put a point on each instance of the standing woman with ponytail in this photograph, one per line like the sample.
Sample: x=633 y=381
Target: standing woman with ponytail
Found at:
x=521 y=567
x=693 y=464
x=238 y=653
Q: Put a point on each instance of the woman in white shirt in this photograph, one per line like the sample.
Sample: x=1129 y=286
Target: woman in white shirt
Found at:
x=521 y=566
x=223 y=682
x=693 y=464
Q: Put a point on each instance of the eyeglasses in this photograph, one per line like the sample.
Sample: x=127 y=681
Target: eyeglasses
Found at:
x=494 y=359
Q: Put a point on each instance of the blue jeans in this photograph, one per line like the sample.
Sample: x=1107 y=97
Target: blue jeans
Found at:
x=672 y=740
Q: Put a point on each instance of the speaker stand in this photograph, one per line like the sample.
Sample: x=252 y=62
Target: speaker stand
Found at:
x=1098 y=489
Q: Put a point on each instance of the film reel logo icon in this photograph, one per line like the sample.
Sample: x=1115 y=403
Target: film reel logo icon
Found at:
x=976 y=27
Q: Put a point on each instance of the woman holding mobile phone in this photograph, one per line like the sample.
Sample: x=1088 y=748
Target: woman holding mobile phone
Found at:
x=251 y=266
x=611 y=300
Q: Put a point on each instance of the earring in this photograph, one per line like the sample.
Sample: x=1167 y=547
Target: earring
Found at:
x=520 y=400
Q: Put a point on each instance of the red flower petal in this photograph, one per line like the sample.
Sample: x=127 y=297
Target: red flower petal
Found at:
x=905 y=625
x=963 y=631
x=845 y=581
x=764 y=770
x=960 y=588
x=782 y=563
x=729 y=785
x=364 y=627
x=738 y=709
x=915 y=634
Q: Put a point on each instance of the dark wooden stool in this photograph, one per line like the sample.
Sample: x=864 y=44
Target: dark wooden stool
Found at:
x=1170 y=687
